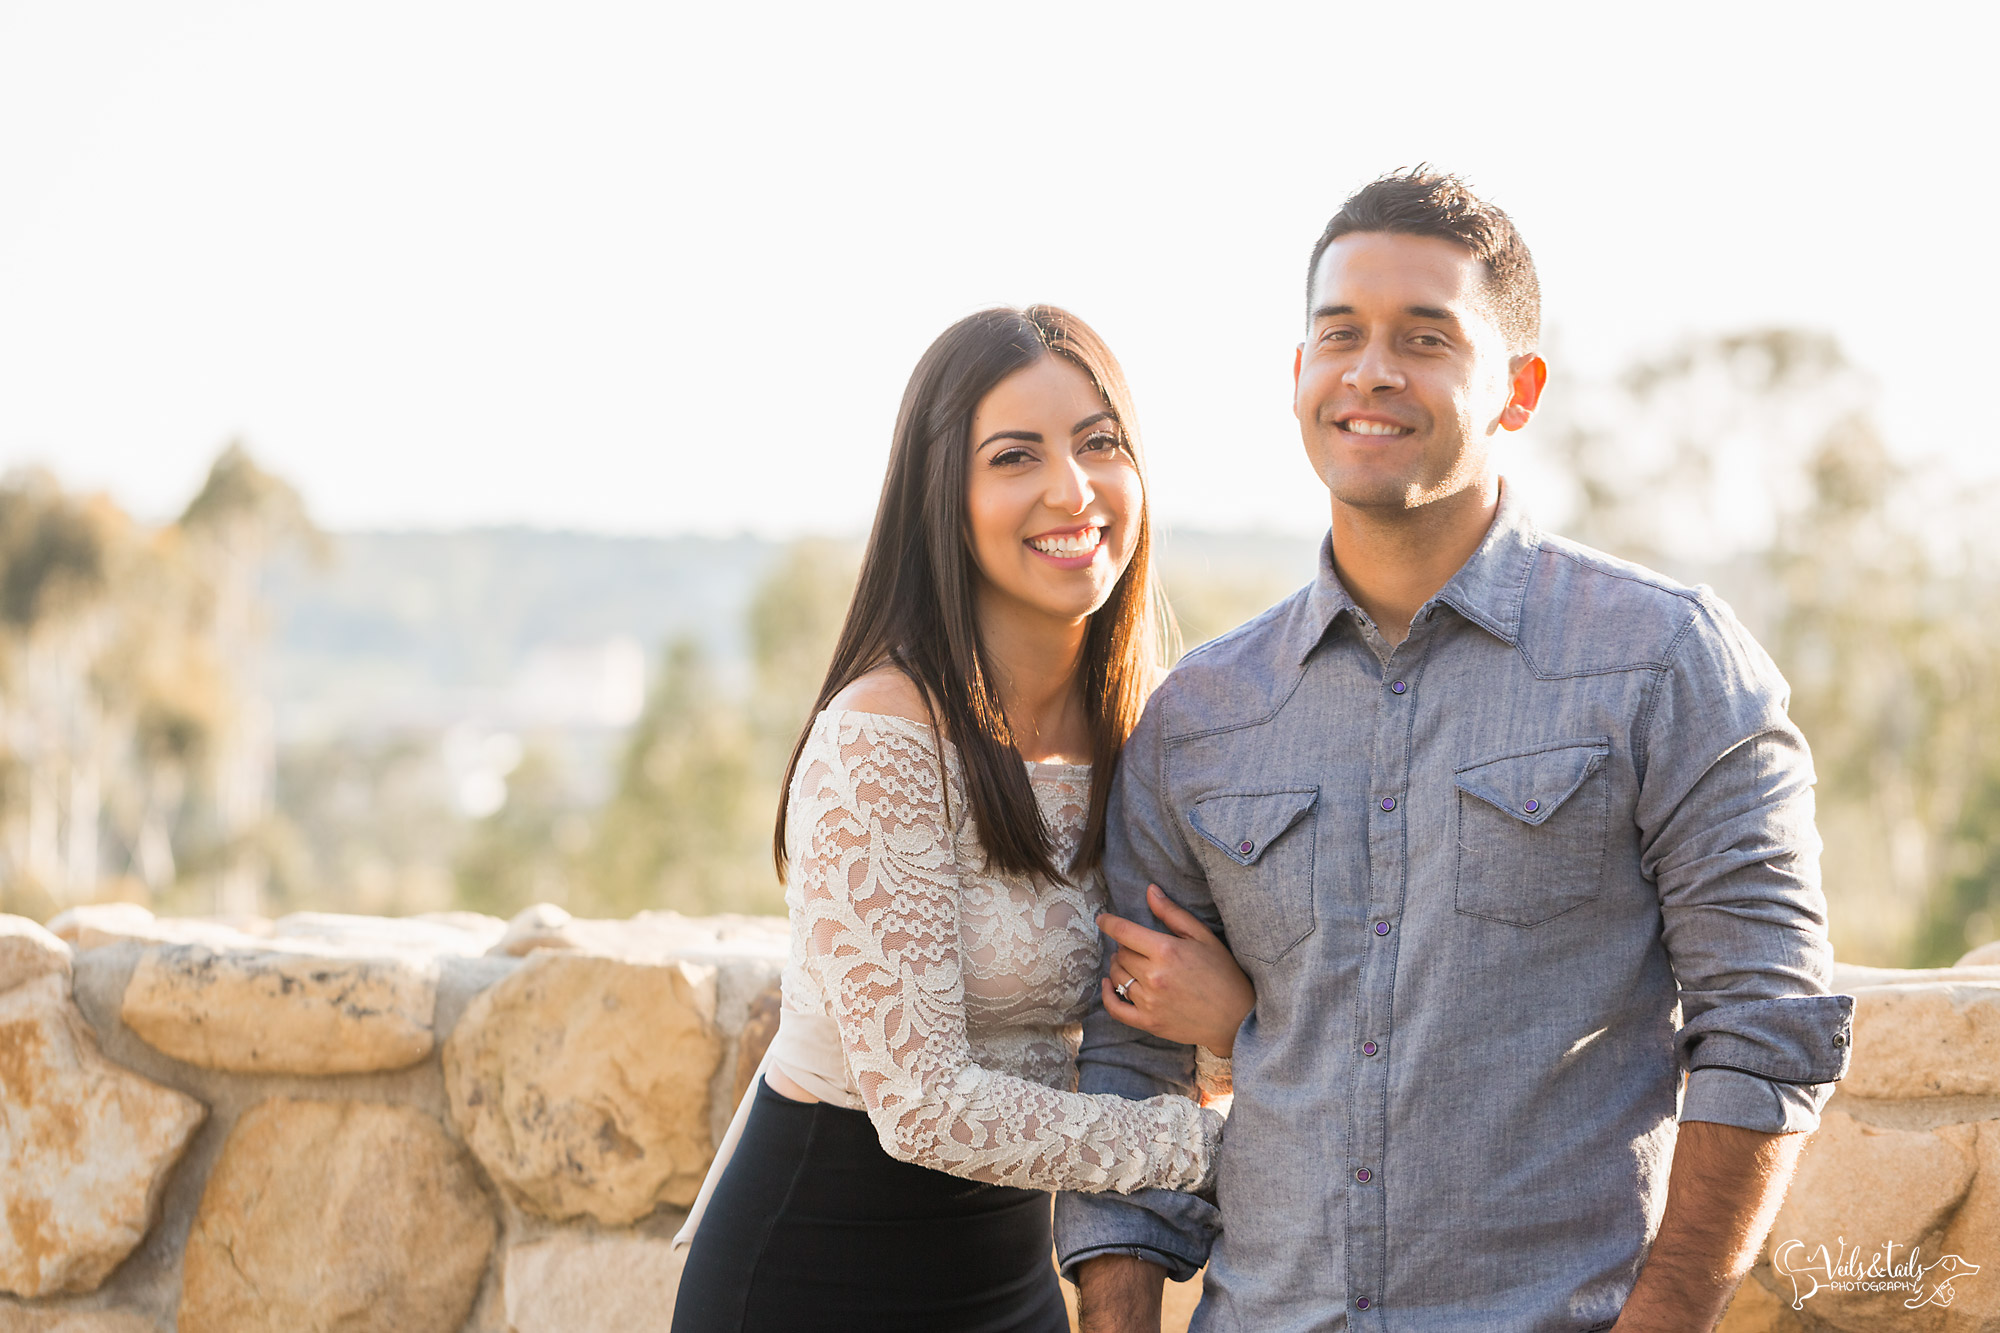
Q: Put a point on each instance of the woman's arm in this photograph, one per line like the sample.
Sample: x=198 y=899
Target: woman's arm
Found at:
x=878 y=885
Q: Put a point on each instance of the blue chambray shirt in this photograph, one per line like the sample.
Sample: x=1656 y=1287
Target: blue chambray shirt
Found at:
x=1498 y=889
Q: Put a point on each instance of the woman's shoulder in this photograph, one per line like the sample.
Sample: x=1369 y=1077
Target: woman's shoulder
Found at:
x=884 y=691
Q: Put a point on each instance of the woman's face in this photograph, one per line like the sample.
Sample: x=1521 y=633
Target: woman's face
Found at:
x=1054 y=496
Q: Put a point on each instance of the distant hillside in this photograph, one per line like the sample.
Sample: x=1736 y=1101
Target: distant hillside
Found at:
x=424 y=629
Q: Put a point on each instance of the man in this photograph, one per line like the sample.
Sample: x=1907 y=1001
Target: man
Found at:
x=1509 y=835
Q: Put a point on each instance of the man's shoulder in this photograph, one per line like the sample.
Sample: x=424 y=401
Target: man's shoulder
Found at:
x=1238 y=675
x=1586 y=610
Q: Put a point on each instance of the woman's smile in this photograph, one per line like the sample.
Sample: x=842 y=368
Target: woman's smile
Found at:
x=1072 y=548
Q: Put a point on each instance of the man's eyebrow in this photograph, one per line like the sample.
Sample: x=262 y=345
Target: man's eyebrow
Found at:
x=1430 y=312
x=1090 y=421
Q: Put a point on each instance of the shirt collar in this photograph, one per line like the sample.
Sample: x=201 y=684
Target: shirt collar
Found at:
x=1488 y=589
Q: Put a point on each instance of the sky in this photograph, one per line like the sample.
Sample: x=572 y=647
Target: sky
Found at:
x=662 y=268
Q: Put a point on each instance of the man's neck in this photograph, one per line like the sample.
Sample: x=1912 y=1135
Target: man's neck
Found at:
x=1393 y=561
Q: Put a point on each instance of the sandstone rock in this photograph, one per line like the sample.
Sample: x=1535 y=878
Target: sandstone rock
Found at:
x=1926 y=1039
x=1863 y=1186
x=462 y=934
x=281 y=1011
x=74 y=1321
x=582 y=1084
x=85 y=1147
x=573 y=1283
x=27 y=951
x=1986 y=955
x=759 y=1026
x=337 y=1215
x=654 y=937
x=97 y=924
x=1974 y=1234
x=543 y=926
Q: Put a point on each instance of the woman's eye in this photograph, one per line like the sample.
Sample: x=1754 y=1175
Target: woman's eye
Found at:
x=1103 y=439
x=1009 y=457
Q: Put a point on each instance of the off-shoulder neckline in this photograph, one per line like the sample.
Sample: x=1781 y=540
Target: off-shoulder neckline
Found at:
x=1035 y=765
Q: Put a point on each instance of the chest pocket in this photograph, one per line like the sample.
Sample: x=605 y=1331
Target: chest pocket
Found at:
x=1263 y=884
x=1531 y=831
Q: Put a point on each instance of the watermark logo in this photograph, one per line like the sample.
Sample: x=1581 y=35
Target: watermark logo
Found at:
x=1854 y=1268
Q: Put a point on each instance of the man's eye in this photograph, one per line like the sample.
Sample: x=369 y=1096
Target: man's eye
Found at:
x=1427 y=340
x=1336 y=335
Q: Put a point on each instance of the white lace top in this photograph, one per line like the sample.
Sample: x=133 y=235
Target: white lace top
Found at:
x=957 y=992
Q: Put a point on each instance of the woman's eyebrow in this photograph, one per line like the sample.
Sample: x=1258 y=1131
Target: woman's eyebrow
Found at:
x=1032 y=437
x=1088 y=422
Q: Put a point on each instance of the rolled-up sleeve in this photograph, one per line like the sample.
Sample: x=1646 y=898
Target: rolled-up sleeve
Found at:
x=1168 y=1227
x=1725 y=818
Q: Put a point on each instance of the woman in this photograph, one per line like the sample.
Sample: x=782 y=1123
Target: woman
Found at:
x=943 y=823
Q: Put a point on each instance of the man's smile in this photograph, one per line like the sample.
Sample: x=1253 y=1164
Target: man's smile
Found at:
x=1373 y=426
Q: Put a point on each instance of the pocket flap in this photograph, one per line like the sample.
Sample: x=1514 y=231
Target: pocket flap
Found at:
x=1532 y=785
x=1243 y=824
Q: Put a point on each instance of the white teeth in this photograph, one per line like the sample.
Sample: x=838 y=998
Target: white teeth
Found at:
x=1371 y=428
x=1075 y=544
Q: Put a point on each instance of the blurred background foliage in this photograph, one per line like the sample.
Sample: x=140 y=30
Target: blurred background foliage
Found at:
x=233 y=713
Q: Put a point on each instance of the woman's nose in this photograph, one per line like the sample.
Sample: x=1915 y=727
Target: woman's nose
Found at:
x=1070 y=491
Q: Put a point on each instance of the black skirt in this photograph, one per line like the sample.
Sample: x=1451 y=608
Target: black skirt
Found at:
x=814 y=1227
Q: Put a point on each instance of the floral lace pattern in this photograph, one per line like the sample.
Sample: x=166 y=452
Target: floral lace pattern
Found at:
x=958 y=992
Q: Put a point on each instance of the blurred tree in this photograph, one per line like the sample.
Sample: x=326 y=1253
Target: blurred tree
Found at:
x=240 y=515
x=794 y=619
x=1752 y=462
x=527 y=851
x=58 y=556
x=681 y=829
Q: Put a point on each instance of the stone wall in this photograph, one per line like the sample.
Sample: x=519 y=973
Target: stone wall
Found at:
x=459 y=1124
x=448 y=1123
x=1907 y=1162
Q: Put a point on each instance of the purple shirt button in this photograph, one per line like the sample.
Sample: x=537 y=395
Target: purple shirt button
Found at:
x=1398 y=688
x=1532 y=806
x=1246 y=848
x=1361 y=1303
x=1364 y=1175
x=1388 y=803
x=1369 y=1048
x=1381 y=927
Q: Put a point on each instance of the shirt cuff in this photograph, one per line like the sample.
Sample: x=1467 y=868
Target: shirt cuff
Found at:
x=1731 y=1097
x=1165 y=1227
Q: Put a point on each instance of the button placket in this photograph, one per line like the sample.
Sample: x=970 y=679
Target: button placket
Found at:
x=1389 y=831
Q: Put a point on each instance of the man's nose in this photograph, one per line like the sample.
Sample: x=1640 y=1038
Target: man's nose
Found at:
x=1374 y=371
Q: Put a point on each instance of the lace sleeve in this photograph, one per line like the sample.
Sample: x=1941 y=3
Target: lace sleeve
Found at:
x=878 y=888
x=1214 y=1075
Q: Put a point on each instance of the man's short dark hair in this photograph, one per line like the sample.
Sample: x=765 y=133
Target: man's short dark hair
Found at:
x=1422 y=202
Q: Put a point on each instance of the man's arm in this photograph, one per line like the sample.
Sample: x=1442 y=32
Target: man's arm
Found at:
x=1118 y=1248
x=1119 y=1293
x=1722 y=1198
x=1725 y=816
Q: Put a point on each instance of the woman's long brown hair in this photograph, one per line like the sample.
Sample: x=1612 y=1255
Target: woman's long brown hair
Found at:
x=913 y=606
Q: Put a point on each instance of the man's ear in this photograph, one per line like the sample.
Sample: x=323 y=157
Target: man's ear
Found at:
x=1298 y=363
x=1530 y=376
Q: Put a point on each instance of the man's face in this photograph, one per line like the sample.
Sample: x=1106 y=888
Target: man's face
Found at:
x=1404 y=377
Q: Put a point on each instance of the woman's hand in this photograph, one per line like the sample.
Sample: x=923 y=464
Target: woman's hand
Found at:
x=1183 y=987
